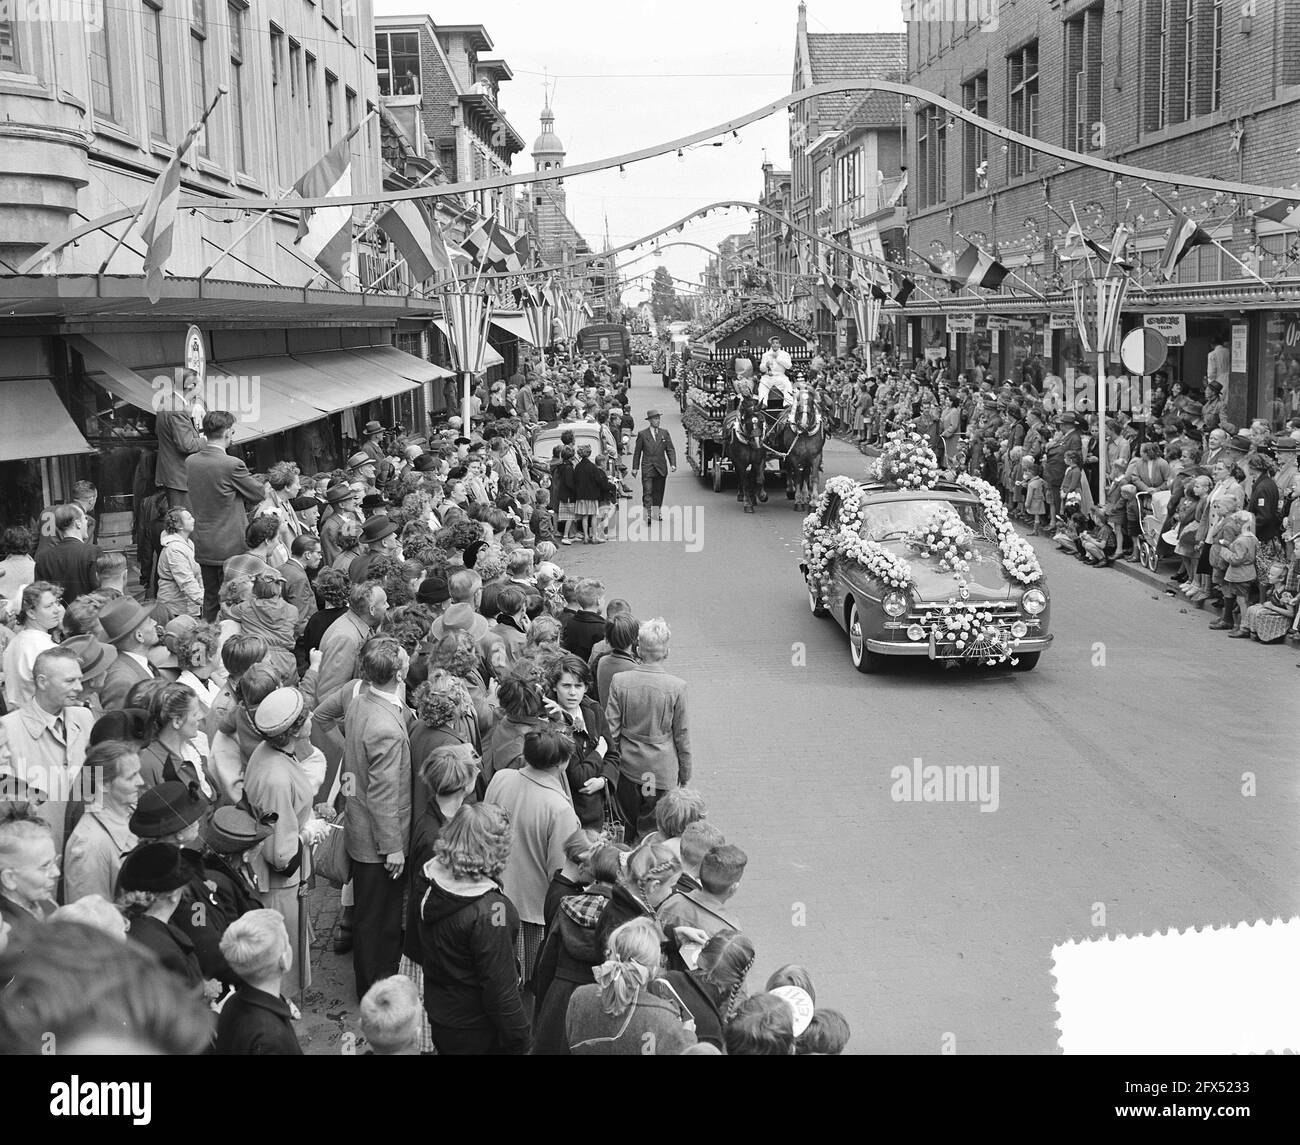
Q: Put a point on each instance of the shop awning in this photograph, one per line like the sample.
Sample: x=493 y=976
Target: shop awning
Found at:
x=516 y=325
x=35 y=422
x=119 y=380
x=268 y=395
x=490 y=358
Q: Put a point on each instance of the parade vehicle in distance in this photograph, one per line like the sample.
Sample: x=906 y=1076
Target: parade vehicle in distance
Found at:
x=612 y=339
x=909 y=563
x=707 y=393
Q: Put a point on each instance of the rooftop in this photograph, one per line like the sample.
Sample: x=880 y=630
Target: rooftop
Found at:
x=851 y=55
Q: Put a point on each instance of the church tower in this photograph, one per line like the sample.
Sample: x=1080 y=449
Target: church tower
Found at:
x=547 y=198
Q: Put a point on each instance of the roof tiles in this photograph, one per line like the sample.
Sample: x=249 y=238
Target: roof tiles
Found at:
x=851 y=55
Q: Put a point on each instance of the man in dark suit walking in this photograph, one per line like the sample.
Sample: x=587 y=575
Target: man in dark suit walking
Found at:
x=656 y=448
x=221 y=492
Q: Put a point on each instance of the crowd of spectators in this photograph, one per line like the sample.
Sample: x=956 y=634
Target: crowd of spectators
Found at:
x=381 y=676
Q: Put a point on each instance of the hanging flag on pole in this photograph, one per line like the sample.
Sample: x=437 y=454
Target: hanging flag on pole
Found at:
x=1187 y=234
x=944 y=272
x=490 y=246
x=1072 y=247
x=325 y=234
x=1115 y=255
x=158 y=215
x=899 y=192
x=832 y=293
x=407 y=223
x=1284 y=211
x=977 y=267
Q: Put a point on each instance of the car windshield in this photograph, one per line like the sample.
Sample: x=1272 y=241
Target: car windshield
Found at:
x=889 y=520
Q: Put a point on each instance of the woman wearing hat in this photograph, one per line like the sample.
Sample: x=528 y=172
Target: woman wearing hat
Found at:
x=277 y=783
x=150 y=887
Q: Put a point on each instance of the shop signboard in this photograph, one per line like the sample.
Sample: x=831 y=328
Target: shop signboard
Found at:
x=961 y=323
x=1239 y=347
x=1172 y=326
x=1061 y=322
x=996 y=322
x=936 y=353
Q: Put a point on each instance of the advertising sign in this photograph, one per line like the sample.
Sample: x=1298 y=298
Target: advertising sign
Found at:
x=1172 y=326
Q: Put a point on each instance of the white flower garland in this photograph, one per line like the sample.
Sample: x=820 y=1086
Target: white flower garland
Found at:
x=946 y=537
x=821 y=544
x=1018 y=557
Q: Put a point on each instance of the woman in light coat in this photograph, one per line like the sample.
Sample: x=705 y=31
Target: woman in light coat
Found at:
x=180 y=582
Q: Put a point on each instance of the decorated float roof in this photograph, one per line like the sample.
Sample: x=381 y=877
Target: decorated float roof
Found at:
x=757 y=321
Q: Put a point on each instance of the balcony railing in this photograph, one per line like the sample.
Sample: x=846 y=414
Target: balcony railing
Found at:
x=873 y=199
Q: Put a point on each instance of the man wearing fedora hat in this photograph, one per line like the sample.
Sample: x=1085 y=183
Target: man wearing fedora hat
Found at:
x=48 y=737
x=132 y=630
x=362 y=467
x=221 y=491
x=373 y=446
x=95 y=658
x=343 y=505
x=655 y=447
x=379 y=537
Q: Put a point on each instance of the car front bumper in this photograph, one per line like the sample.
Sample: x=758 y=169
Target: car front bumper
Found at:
x=926 y=647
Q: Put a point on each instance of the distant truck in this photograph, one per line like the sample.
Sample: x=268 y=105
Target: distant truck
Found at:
x=612 y=339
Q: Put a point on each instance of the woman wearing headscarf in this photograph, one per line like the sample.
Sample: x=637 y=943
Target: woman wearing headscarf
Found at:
x=628 y=1009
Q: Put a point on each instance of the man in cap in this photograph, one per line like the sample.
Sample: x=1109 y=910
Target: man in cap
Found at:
x=48 y=737
x=379 y=539
x=655 y=447
x=307 y=507
x=221 y=490
x=132 y=630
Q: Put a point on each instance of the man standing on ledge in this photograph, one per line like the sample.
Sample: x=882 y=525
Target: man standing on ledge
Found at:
x=660 y=460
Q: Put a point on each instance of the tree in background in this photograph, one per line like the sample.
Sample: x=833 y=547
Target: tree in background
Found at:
x=663 y=298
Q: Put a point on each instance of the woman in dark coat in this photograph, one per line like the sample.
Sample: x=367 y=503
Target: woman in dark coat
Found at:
x=716 y=986
x=445 y=782
x=468 y=930
x=564 y=493
x=593 y=757
x=150 y=887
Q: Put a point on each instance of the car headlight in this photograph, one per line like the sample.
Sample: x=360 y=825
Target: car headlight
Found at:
x=894 y=604
x=1034 y=601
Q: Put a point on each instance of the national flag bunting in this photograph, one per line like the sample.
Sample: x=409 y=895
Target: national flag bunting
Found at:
x=158 y=218
x=1186 y=234
x=417 y=235
x=1284 y=211
x=325 y=234
x=977 y=267
x=492 y=248
x=832 y=295
x=1114 y=256
x=944 y=272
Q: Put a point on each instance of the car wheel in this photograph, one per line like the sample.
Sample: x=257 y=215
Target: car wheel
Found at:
x=863 y=660
x=814 y=606
x=1025 y=662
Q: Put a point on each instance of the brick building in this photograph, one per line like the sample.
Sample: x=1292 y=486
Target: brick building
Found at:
x=1195 y=86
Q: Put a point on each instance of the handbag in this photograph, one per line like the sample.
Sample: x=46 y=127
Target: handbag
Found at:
x=612 y=825
x=330 y=858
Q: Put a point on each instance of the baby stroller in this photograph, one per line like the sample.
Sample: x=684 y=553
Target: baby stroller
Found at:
x=1152 y=510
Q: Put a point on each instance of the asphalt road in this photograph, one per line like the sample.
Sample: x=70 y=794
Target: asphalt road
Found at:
x=930 y=924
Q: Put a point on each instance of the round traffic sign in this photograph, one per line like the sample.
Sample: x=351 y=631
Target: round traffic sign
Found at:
x=1143 y=351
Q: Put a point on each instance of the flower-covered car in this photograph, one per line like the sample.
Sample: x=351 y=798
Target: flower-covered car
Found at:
x=925 y=568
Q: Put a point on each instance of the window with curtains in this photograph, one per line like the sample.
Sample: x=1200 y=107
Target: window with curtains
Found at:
x=931 y=156
x=155 y=85
x=201 y=83
x=1084 y=127
x=238 y=112
x=975 y=150
x=280 y=108
x=1022 y=99
x=331 y=108
x=99 y=54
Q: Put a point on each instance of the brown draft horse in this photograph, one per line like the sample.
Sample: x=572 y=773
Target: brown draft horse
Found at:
x=747 y=452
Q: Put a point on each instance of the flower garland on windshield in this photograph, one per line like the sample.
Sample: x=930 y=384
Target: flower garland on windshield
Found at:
x=945 y=537
x=1019 y=560
x=820 y=544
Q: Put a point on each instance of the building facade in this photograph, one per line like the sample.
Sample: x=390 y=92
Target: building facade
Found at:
x=1190 y=86
x=90 y=114
x=844 y=149
x=774 y=254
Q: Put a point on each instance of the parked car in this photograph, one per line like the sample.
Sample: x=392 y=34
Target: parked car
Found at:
x=1010 y=621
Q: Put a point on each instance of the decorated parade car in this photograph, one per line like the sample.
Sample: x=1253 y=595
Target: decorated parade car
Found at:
x=910 y=563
